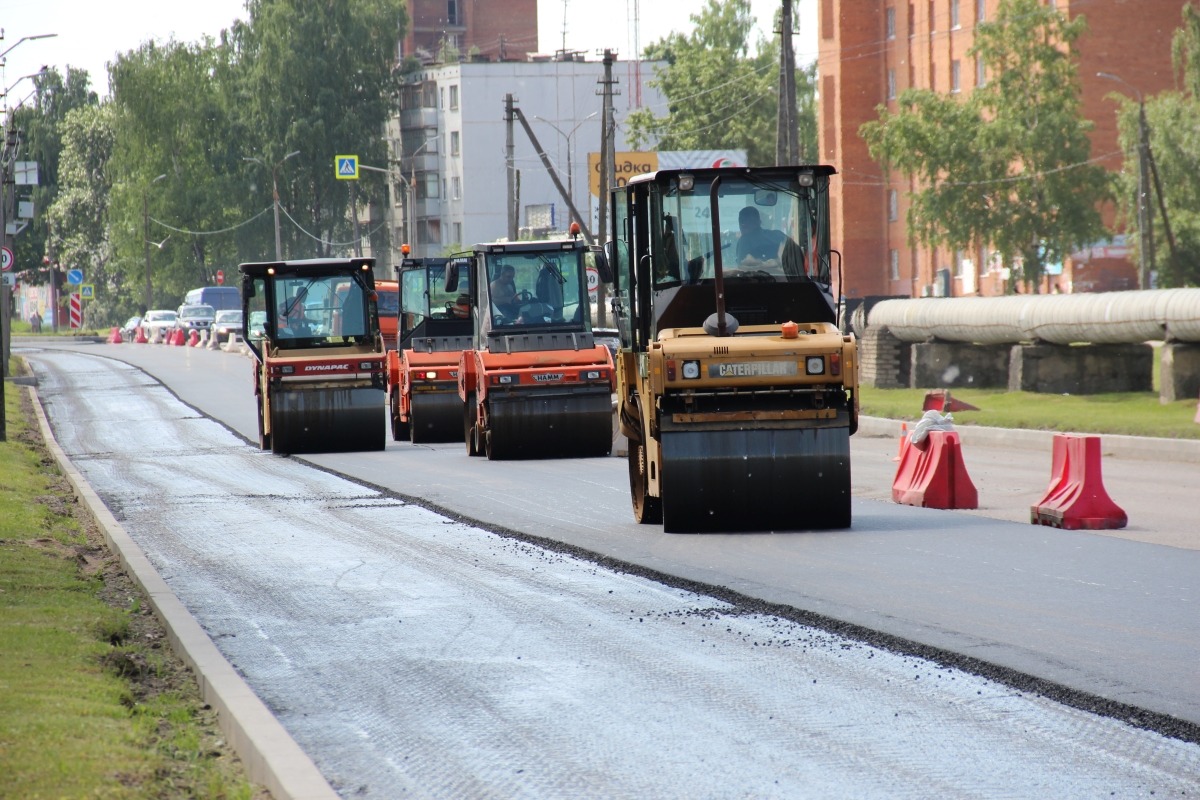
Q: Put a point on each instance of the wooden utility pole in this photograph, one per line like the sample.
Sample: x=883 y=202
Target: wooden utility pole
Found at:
x=787 y=144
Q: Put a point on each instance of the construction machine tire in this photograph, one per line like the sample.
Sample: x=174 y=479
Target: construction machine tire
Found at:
x=470 y=435
x=646 y=509
x=264 y=438
x=433 y=417
x=564 y=424
x=400 y=430
x=327 y=420
x=755 y=480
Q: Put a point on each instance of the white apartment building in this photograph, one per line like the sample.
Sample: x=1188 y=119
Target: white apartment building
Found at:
x=448 y=142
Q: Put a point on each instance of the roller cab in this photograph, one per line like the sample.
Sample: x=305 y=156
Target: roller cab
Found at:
x=736 y=388
x=434 y=328
x=534 y=383
x=319 y=359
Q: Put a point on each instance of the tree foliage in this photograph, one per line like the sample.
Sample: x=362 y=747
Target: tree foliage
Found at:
x=184 y=152
x=1174 y=131
x=1007 y=166
x=720 y=95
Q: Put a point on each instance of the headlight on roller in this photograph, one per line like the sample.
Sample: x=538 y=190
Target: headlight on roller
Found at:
x=691 y=370
x=814 y=365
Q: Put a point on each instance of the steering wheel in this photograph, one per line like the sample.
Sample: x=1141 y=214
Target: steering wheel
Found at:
x=525 y=296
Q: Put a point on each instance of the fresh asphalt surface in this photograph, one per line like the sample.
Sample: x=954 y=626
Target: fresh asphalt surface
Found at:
x=1101 y=618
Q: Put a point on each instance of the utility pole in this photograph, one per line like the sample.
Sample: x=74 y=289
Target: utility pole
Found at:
x=511 y=168
x=607 y=168
x=563 y=192
x=787 y=145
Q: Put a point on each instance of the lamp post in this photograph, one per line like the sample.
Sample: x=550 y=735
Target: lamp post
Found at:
x=146 y=234
x=274 y=194
x=412 y=191
x=567 y=136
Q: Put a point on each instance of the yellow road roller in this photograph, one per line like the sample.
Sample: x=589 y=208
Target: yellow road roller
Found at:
x=319 y=372
x=736 y=388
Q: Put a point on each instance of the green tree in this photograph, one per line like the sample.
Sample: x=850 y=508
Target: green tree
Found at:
x=719 y=95
x=40 y=123
x=172 y=116
x=316 y=78
x=1008 y=166
x=1173 y=120
x=78 y=219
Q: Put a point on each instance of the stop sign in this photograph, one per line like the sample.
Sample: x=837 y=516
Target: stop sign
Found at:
x=220 y=277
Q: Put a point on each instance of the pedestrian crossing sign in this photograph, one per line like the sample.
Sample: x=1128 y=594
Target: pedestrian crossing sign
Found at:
x=345 y=168
x=87 y=291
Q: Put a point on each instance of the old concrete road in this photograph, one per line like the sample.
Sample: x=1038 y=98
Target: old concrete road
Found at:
x=411 y=655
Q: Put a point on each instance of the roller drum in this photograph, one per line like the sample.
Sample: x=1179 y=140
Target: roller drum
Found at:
x=762 y=479
x=435 y=417
x=545 y=425
x=328 y=420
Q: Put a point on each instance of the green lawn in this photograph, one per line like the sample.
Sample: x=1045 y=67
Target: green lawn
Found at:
x=1130 y=413
x=92 y=701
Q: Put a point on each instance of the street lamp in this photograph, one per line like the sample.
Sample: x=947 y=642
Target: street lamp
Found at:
x=567 y=136
x=146 y=233
x=274 y=194
x=27 y=39
x=412 y=189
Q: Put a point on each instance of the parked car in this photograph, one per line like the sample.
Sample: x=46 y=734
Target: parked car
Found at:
x=195 y=318
x=129 y=329
x=225 y=323
x=158 y=321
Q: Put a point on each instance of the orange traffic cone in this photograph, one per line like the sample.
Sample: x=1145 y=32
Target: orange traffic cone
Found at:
x=903 y=436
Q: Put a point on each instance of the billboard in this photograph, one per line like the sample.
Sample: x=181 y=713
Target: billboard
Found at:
x=627 y=165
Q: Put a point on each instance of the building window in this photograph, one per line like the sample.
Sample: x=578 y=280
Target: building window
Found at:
x=980 y=73
x=893 y=200
x=890 y=23
x=457 y=233
x=912 y=16
x=454 y=143
x=932 y=18
x=826 y=19
x=955 y=76
x=456 y=188
x=427 y=185
x=891 y=84
x=452 y=13
x=442 y=97
x=894 y=264
x=454 y=97
x=954 y=23
x=980 y=10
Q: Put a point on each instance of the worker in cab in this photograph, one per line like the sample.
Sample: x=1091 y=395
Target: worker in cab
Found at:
x=503 y=291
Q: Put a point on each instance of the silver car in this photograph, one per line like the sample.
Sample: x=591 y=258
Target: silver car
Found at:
x=158 y=321
x=225 y=323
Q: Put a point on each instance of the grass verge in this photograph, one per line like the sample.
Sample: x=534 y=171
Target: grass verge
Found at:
x=93 y=702
x=1127 y=413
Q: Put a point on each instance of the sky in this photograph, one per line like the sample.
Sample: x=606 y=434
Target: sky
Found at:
x=91 y=32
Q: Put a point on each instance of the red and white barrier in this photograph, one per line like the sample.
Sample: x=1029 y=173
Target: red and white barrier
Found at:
x=1076 y=498
x=932 y=474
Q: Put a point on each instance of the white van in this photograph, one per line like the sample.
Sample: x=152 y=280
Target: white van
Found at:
x=219 y=297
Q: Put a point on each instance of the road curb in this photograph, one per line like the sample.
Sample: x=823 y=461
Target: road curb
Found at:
x=272 y=757
x=1146 y=448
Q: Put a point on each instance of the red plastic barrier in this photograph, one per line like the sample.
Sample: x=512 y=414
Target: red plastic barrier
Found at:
x=932 y=474
x=114 y=337
x=178 y=338
x=140 y=336
x=193 y=338
x=1076 y=498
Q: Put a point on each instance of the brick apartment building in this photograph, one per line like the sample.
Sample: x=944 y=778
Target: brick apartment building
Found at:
x=493 y=30
x=872 y=50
